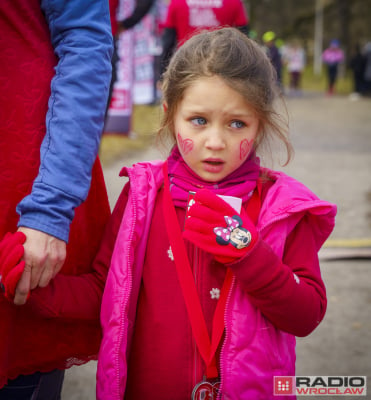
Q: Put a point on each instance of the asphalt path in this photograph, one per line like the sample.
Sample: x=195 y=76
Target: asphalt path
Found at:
x=332 y=141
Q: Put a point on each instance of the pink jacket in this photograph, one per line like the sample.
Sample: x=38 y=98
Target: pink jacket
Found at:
x=333 y=55
x=254 y=350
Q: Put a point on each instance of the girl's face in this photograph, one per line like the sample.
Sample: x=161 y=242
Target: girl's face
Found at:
x=215 y=128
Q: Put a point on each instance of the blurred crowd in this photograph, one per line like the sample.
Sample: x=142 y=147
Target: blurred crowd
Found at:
x=148 y=31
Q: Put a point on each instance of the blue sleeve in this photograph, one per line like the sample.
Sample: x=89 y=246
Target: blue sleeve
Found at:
x=82 y=40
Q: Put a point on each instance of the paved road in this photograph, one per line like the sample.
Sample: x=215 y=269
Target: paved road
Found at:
x=332 y=138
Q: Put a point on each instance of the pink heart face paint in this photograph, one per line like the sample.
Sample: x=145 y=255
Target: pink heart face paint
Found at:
x=245 y=147
x=186 y=145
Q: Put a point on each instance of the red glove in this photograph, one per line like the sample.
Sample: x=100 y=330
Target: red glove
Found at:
x=11 y=268
x=216 y=227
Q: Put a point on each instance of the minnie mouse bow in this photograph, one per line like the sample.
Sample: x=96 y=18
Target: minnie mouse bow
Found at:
x=225 y=233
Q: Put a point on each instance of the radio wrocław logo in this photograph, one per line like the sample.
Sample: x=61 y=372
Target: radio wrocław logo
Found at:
x=320 y=385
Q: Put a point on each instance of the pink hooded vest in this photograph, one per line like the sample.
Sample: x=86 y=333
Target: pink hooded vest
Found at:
x=254 y=350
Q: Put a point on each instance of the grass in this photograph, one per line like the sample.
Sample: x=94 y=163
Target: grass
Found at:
x=146 y=119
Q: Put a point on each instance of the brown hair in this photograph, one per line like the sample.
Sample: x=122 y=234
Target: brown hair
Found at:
x=243 y=65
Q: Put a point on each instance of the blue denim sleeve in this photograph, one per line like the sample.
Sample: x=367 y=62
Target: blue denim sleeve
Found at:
x=82 y=40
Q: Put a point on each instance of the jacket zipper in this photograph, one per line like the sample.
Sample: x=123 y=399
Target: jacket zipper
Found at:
x=221 y=361
x=227 y=334
x=197 y=362
x=126 y=296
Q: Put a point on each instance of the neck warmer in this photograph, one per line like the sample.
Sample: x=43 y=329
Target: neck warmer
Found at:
x=240 y=183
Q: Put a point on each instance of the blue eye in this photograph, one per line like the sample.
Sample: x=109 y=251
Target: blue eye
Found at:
x=238 y=124
x=199 y=121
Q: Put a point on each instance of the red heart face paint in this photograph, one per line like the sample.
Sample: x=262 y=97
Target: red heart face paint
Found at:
x=245 y=147
x=186 y=145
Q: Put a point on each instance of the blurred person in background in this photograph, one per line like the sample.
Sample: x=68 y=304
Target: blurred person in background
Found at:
x=332 y=57
x=367 y=72
x=141 y=9
x=357 y=64
x=273 y=53
x=294 y=59
x=54 y=74
x=186 y=17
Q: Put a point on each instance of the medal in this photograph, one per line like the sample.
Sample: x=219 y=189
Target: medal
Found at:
x=205 y=391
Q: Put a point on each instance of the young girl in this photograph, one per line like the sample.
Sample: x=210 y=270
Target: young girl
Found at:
x=209 y=304
x=213 y=258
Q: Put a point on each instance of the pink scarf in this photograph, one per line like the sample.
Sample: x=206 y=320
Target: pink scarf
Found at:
x=239 y=183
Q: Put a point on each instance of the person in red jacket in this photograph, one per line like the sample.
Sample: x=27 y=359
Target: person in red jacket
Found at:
x=185 y=17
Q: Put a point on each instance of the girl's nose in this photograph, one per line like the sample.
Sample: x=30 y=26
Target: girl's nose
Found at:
x=215 y=139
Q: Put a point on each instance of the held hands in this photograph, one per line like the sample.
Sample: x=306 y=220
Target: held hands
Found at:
x=44 y=256
x=217 y=228
x=11 y=266
x=26 y=264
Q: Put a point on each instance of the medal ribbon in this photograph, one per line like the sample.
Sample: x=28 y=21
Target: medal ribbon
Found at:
x=206 y=347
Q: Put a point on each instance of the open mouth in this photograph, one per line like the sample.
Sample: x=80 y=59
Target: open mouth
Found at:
x=213 y=166
x=214 y=162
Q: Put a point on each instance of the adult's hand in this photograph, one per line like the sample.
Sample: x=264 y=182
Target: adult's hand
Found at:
x=44 y=256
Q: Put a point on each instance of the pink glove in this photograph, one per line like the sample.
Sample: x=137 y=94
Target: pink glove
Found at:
x=214 y=226
x=11 y=268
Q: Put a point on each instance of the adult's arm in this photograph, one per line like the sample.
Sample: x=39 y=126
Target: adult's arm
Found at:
x=81 y=37
x=169 y=42
x=141 y=9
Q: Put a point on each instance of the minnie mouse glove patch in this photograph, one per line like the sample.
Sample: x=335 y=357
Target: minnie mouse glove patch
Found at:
x=234 y=233
x=213 y=225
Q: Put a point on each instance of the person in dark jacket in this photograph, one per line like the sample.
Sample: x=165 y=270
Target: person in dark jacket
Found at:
x=273 y=53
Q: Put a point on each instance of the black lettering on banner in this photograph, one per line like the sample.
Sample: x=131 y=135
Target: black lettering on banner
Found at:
x=300 y=380
x=319 y=382
x=335 y=381
x=353 y=381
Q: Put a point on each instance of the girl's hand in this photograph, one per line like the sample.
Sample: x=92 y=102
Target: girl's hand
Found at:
x=11 y=266
x=214 y=226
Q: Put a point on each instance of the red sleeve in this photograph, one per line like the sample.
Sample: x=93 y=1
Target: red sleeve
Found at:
x=79 y=297
x=289 y=292
x=113 y=6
